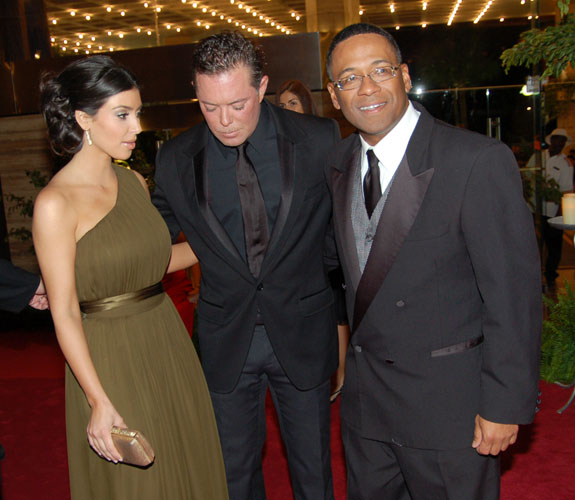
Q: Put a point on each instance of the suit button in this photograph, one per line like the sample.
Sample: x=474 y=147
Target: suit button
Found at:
x=357 y=348
x=400 y=303
x=389 y=361
x=260 y=287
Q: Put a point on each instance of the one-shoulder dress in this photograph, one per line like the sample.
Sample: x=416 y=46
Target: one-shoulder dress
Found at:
x=146 y=363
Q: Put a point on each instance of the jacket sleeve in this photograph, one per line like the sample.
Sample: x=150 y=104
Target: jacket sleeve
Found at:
x=331 y=259
x=17 y=287
x=162 y=183
x=500 y=237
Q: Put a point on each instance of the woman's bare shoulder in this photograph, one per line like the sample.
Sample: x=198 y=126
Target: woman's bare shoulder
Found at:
x=55 y=201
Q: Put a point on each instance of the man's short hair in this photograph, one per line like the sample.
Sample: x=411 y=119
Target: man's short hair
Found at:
x=359 y=29
x=224 y=52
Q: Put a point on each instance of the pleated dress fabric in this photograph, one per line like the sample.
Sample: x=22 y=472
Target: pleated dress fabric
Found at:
x=146 y=363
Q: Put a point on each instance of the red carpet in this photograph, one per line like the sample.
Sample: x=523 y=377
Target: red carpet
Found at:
x=540 y=466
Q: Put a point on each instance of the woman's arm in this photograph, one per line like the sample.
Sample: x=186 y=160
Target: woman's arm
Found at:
x=182 y=257
x=53 y=228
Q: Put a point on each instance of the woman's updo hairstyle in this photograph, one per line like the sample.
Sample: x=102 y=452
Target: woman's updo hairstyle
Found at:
x=84 y=85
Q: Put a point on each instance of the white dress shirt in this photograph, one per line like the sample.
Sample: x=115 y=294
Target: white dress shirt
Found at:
x=558 y=168
x=391 y=148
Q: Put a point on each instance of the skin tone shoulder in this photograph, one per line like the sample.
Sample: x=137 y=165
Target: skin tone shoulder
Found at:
x=73 y=202
x=230 y=103
x=375 y=108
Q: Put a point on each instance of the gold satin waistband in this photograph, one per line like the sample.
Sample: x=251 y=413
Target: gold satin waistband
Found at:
x=93 y=306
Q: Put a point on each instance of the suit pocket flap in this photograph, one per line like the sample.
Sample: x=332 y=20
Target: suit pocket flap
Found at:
x=211 y=312
x=316 y=302
x=428 y=234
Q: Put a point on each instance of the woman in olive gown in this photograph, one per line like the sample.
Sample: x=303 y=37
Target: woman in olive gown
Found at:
x=103 y=249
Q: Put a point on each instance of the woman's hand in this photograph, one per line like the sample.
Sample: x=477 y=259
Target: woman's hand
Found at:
x=104 y=417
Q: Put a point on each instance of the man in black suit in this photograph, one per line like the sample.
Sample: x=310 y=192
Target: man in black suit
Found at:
x=247 y=188
x=443 y=287
x=19 y=288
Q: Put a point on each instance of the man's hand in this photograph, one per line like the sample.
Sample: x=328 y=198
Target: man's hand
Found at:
x=490 y=438
x=40 y=299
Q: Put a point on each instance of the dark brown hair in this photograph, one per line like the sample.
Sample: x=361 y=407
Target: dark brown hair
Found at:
x=226 y=51
x=301 y=91
x=84 y=85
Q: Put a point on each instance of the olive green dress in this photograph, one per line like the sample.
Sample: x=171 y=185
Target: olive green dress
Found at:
x=146 y=363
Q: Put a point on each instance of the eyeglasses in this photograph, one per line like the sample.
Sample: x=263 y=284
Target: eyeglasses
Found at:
x=378 y=75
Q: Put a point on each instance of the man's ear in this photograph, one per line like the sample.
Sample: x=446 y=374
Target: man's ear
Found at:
x=333 y=95
x=83 y=119
x=405 y=76
x=263 y=87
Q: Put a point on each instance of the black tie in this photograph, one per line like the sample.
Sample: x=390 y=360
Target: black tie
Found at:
x=256 y=233
x=371 y=183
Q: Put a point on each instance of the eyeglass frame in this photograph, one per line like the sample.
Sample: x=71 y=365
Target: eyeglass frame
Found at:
x=395 y=69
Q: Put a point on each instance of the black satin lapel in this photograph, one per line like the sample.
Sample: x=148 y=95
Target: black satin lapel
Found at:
x=403 y=203
x=342 y=201
x=287 y=172
x=201 y=183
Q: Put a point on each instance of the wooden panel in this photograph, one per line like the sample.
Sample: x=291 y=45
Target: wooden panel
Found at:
x=165 y=73
x=23 y=146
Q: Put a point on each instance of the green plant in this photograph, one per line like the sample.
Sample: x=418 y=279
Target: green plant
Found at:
x=548 y=189
x=25 y=205
x=558 y=339
x=555 y=46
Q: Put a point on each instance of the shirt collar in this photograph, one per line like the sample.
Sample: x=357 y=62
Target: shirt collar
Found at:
x=391 y=148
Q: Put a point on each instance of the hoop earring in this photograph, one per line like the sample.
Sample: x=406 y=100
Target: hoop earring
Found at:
x=88 y=138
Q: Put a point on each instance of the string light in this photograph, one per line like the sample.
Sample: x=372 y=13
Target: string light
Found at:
x=482 y=13
x=453 y=12
x=129 y=14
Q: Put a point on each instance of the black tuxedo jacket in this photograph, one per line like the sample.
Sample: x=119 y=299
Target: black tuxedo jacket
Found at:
x=447 y=314
x=17 y=287
x=292 y=291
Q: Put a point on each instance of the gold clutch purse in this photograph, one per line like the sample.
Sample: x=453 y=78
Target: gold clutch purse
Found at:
x=133 y=446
